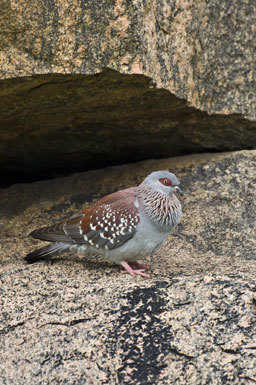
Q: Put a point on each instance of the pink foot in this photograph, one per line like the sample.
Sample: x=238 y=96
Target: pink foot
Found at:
x=132 y=272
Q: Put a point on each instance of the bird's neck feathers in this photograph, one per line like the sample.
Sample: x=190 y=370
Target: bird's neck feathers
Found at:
x=162 y=209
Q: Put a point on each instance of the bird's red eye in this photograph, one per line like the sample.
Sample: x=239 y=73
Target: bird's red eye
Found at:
x=165 y=181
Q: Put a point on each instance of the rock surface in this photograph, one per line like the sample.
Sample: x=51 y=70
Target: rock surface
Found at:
x=70 y=321
x=201 y=52
x=176 y=62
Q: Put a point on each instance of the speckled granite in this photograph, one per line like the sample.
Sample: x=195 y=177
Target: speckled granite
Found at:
x=182 y=81
x=200 y=51
x=69 y=321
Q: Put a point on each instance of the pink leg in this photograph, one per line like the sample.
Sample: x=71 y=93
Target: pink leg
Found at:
x=132 y=272
x=139 y=265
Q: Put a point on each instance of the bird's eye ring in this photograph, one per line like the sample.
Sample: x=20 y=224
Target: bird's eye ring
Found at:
x=165 y=181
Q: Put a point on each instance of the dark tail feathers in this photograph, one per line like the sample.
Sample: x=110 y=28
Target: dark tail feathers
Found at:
x=52 y=248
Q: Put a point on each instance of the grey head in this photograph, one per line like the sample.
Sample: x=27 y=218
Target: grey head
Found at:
x=164 y=182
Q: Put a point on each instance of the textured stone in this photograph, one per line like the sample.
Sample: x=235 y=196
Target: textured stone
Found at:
x=55 y=124
x=202 y=52
x=70 y=321
x=59 y=115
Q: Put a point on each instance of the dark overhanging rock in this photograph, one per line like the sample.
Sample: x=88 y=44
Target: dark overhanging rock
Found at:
x=59 y=114
x=201 y=52
x=55 y=124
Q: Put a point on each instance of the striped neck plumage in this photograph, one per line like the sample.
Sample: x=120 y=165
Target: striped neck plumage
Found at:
x=162 y=209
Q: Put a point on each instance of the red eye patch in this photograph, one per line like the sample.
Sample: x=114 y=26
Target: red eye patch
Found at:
x=165 y=181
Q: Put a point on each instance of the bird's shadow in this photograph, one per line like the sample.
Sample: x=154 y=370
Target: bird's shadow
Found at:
x=89 y=264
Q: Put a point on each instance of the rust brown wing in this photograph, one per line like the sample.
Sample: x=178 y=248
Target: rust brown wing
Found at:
x=107 y=224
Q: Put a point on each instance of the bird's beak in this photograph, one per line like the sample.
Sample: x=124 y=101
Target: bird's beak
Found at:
x=176 y=188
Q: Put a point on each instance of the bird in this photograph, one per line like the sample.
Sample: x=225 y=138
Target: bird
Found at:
x=123 y=227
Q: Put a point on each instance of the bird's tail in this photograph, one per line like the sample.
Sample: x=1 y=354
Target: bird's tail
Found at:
x=51 y=249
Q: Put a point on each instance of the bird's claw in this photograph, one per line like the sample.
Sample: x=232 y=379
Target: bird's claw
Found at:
x=129 y=270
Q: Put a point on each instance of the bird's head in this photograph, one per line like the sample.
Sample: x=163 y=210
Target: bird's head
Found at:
x=163 y=181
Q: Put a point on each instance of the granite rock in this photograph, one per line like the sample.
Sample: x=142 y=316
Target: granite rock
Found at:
x=201 y=52
x=74 y=321
x=171 y=65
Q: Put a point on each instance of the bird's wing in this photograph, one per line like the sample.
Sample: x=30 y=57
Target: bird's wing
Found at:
x=56 y=232
x=107 y=224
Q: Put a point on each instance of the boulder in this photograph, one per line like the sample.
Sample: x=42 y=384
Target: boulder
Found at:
x=179 y=80
x=74 y=321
